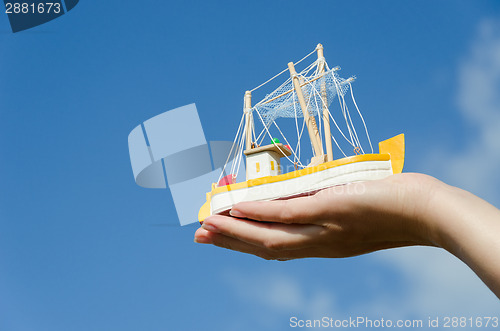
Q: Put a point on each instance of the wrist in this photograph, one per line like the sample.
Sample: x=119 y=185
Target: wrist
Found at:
x=421 y=199
x=437 y=214
x=458 y=219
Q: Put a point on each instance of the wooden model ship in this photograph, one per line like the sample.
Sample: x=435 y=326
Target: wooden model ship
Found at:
x=306 y=97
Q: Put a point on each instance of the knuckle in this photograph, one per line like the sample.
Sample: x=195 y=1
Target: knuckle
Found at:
x=265 y=256
x=274 y=244
x=272 y=256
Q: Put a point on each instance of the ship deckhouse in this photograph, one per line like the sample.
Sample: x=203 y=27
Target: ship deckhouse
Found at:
x=265 y=160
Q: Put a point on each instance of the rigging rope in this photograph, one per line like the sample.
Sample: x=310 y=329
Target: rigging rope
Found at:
x=267 y=81
x=362 y=119
x=282 y=102
x=232 y=147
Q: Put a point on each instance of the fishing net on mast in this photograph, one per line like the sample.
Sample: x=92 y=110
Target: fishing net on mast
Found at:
x=317 y=88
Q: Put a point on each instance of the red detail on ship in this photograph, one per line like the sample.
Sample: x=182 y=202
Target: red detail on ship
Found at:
x=227 y=180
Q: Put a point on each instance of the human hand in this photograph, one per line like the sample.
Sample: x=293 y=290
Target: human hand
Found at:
x=340 y=221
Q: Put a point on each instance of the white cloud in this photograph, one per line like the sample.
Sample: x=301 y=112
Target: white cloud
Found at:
x=276 y=297
x=478 y=99
x=440 y=284
x=282 y=293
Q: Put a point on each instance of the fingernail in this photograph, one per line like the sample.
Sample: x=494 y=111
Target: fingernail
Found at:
x=209 y=227
x=209 y=218
x=236 y=213
x=202 y=240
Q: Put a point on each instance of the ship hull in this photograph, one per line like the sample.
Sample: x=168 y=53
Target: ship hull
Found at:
x=309 y=180
x=294 y=184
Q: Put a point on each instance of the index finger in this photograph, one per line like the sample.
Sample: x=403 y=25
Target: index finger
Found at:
x=304 y=210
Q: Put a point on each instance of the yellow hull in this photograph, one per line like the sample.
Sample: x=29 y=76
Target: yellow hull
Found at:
x=392 y=149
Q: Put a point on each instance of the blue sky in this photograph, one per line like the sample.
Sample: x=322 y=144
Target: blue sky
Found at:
x=79 y=249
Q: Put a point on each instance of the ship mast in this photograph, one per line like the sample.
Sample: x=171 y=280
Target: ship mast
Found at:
x=326 y=113
x=248 y=120
x=310 y=121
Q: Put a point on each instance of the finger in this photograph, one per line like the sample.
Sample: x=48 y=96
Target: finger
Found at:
x=223 y=241
x=272 y=236
x=202 y=236
x=297 y=210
